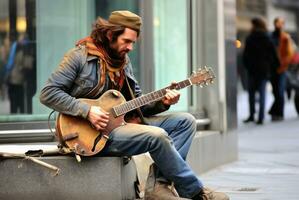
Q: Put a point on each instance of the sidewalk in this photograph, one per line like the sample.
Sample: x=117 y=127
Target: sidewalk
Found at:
x=268 y=165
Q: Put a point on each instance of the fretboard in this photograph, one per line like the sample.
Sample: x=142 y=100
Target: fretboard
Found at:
x=147 y=98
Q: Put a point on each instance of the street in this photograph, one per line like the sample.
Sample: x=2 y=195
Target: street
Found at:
x=268 y=165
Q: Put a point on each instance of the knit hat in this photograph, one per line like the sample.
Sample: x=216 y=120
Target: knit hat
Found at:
x=125 y=18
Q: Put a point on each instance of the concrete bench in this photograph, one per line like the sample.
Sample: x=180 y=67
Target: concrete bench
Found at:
x=99 y=177
x=93 y=178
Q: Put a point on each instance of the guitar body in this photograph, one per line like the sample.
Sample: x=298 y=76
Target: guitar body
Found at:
x=78 y=134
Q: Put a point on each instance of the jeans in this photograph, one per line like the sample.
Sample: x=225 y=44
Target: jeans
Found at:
x=167 y=138
x=278 y=82
x=254 y=86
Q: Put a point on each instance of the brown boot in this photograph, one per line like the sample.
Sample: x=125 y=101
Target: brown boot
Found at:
x=208 y=194
x=162 y=191
x=156 y=190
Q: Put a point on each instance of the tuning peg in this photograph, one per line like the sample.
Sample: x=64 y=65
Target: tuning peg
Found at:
x=199 y=69
x=193 y=72
x=207 y=83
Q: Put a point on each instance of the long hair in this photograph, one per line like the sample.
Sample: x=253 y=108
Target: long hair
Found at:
x=100 y=29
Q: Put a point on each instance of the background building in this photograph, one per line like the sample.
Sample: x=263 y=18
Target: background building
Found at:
x=268 y=10
x=178 y=37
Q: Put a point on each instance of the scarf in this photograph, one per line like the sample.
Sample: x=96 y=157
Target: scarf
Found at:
x=113 y=67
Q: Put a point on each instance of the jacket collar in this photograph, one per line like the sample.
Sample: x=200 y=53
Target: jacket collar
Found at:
x=91 y=57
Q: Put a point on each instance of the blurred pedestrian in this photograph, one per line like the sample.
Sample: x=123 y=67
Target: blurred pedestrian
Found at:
x=4 y=53
x=285 y=51
x=259 y=59
x=15 y=70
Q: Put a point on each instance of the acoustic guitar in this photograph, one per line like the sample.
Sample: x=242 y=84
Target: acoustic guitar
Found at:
x=78 y=134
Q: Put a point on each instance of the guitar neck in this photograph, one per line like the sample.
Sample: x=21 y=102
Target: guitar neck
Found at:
x=147 y=98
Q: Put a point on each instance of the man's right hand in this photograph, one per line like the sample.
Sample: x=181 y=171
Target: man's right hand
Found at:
x=98 y=117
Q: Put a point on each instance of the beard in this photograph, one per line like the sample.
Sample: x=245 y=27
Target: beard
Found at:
x=114 y=53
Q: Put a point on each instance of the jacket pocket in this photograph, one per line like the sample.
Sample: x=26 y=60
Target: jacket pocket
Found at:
x=82 y=86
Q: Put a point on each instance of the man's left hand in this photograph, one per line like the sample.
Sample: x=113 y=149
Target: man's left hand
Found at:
x=171 y=97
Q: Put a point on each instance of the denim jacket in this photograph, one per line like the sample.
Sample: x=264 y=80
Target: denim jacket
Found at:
x=75 y=76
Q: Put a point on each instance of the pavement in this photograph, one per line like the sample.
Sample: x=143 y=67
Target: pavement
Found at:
x=268 y=164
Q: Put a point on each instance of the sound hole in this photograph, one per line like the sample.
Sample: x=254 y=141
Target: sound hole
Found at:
x=98 y=138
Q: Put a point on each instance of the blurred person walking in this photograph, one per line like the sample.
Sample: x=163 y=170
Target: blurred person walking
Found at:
x=15 y=73
x=285 y=51
x=4 y=53
x=259 y=59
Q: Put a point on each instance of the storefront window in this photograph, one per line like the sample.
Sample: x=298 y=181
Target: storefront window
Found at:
x=170 y=45
x=34 y=36
x=18 y=56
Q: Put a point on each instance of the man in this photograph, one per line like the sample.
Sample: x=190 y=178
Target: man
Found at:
x=100 y=63
x=285 y=51
x=260 y=59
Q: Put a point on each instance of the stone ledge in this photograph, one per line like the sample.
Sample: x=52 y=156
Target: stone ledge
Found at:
x=93 y=178
x=210 y=149
x=101 y=177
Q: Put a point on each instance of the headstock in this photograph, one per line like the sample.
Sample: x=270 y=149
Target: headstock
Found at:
x=202 y=77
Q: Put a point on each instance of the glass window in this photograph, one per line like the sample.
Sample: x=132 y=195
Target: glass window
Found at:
x=18 y=57
x=170 y=45
x=59 y=25
x=34 y=36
